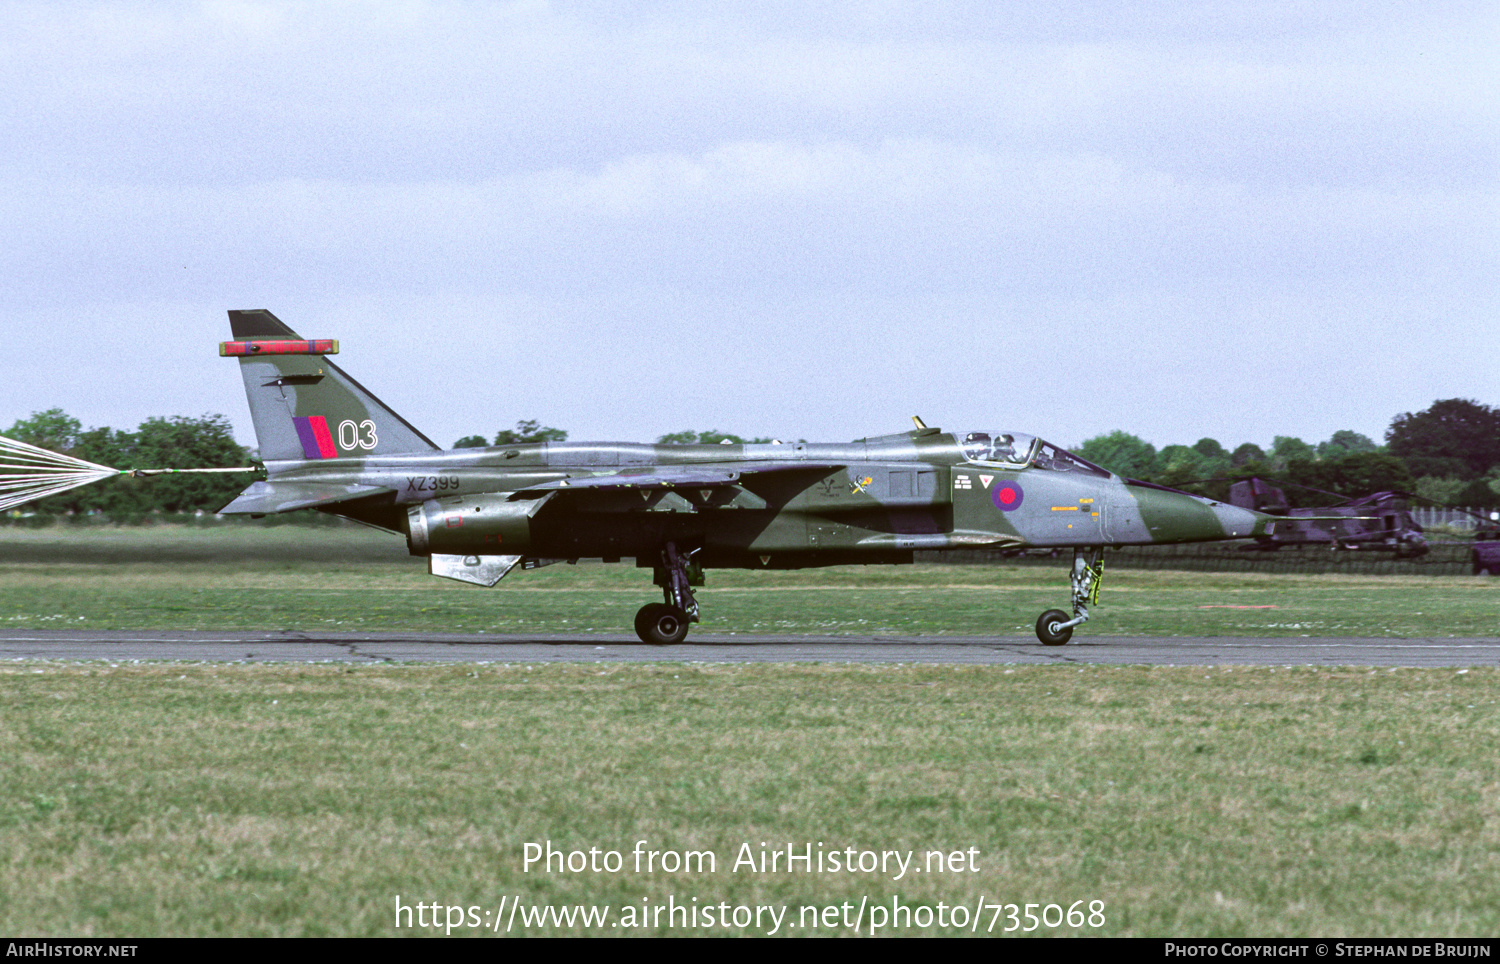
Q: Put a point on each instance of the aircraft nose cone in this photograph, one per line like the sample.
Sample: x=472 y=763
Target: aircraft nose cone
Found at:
x=1173 y=516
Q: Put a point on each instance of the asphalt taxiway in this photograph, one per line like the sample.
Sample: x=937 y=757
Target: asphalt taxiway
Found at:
x=125 y=645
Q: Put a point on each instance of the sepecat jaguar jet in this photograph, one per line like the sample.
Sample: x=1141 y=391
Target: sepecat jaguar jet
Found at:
x=476 y=514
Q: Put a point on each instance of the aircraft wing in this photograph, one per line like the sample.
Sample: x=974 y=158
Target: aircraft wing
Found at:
x=672 y=477
x=273 y=497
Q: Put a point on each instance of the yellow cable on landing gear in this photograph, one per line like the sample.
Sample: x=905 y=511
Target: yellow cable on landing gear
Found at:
x=1095 y=575
x=1088 y=573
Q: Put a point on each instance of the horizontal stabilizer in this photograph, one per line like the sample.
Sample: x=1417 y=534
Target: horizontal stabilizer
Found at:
x=268 y=498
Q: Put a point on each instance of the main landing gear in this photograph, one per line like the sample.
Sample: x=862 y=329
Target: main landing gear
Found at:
x=666 y=623
x=1053 y=627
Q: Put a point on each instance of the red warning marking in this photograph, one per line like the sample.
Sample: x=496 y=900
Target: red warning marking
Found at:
x=305 y=346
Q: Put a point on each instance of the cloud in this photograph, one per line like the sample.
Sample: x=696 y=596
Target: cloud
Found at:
x=738 y=179
x=240 y=92
x=900 y=214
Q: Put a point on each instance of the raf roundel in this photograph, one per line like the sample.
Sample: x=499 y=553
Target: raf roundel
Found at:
x=1007 y=496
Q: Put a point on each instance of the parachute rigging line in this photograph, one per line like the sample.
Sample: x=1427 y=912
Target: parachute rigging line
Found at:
x=28 y=473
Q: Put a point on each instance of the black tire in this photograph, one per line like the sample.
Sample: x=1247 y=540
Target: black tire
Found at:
x=644 y=617
x=1045 y=631
x=661 y=625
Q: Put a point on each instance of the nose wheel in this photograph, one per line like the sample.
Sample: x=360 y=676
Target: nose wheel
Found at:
x=1053 y=627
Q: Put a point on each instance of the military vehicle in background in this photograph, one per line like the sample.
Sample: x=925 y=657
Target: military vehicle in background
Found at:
x=1485 y=553
x=1379 y=522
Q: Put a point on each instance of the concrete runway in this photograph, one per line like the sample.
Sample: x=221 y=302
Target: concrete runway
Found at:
x=468 y=648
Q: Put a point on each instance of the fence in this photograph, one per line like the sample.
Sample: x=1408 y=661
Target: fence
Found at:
x=1464 y=519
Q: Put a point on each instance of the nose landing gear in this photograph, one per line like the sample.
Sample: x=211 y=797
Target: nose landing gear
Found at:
x=1053 y=627
x=666 y=623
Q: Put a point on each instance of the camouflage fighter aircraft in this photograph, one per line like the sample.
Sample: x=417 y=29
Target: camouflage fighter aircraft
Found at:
x=476 y=514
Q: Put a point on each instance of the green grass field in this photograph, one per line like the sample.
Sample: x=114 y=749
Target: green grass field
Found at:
x=303 y=800
x=309 y=579
x=226 y=799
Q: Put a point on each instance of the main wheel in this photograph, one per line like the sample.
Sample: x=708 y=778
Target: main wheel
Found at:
x=661 y=625
x=1047 y=628
x=644 y=617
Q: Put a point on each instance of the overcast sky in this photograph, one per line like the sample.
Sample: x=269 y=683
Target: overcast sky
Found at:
x=807 y=220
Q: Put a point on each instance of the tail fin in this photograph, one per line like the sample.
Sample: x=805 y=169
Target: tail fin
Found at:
x=304 y=406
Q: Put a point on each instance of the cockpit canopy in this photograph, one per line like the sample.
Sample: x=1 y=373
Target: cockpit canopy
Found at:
x=1017 y=450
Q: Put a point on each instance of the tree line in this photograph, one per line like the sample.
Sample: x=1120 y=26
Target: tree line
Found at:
x=174 y=442
x=534 y=431
x=1448 y=453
